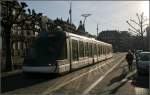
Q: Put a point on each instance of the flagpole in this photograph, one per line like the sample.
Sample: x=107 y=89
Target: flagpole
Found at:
x=70 y=12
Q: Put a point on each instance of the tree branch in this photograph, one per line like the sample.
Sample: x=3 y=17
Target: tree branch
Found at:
x=138 y=17
x=136 y=32
x=135 y=22
x=132 y=26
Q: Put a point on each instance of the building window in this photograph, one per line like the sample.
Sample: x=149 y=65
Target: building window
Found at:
x=13 y=44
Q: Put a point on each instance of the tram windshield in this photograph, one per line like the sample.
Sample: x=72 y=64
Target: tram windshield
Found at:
x=47 y=48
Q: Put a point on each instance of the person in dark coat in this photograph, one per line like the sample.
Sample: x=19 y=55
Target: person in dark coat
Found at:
x=129 y=58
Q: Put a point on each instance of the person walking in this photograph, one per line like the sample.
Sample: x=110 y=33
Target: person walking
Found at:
x=129 y=58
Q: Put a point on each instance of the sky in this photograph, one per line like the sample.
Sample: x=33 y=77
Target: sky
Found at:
x=110 y=15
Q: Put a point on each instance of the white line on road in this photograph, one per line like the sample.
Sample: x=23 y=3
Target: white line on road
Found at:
x=49 y=90
x=100 y=79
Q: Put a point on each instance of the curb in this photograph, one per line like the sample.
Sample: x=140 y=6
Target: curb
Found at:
x=7 y=74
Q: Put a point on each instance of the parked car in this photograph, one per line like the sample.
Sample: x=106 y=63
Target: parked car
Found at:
x=143 y=63
x=137 y=52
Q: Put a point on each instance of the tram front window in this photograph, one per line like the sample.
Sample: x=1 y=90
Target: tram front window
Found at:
x=45 y=50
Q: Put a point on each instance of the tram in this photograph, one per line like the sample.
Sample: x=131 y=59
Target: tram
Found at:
x=59 y=52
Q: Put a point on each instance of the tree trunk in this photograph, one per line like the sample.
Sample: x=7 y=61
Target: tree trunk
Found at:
x=8 y=63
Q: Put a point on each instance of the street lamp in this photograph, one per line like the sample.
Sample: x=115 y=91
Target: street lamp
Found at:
x=85 y=16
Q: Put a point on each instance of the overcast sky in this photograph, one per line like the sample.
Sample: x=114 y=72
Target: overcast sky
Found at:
x=108 y=14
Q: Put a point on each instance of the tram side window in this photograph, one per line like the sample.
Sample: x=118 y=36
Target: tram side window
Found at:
x=86 y=48
x=88 y=45
x=99 y=50
x=103 y=49
x=95 y=49
x=63 y=53
x=90 y=49
x=81 y=49
x=75 y=50
x=107 y=50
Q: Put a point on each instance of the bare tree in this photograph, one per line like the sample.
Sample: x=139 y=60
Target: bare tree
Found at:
x=138 y=27
x=14 y=12
x=11 y=10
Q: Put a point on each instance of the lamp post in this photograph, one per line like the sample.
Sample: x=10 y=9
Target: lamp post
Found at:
x=85 y=16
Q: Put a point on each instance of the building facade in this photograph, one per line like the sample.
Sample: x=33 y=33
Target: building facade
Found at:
x=120 y=40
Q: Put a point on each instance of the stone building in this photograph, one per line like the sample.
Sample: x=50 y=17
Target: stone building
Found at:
x=65 y=25
x=120 y=40
x=21 y=38
x=112 y=37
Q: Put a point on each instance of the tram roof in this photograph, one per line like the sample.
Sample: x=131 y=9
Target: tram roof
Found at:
x=85 y=38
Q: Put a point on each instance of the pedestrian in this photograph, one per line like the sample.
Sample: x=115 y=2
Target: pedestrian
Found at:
x=129 y=58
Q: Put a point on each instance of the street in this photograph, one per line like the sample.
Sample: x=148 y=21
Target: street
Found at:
x=104 y=78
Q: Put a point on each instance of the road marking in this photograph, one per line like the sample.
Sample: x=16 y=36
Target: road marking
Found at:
x=49 y=90
x=101 y=78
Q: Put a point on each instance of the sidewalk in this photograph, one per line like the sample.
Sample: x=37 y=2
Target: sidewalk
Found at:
x=10 y=73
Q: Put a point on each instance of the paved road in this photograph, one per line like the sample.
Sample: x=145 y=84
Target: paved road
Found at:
x=121 y=81
x=90 y=80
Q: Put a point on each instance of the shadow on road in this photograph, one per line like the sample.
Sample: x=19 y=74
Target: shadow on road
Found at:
x=20 y=81
x=141 y=81
x=117 y=82
x=122 y=83
x=118 y=78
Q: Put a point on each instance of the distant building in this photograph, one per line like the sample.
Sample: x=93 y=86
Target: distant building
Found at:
x=65 y=25
x=120 y=40
x=110 y=36
x=148 y=37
